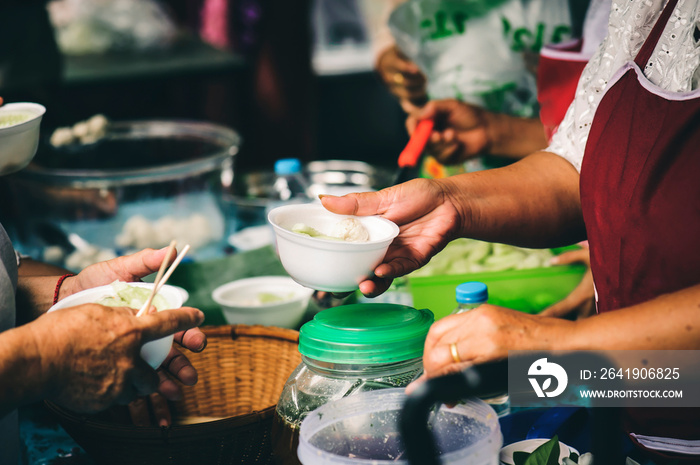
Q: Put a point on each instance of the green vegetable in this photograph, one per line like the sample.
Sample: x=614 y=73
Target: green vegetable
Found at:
x=132 y=297
x=11 y=119
x=269 y=297
x=545 y=454
x=464 y=256
x=305 y=230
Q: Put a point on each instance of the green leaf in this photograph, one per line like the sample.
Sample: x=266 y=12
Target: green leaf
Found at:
x=546 y=454
x=519 y=457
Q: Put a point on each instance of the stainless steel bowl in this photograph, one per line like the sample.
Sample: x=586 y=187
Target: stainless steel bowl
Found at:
x=340 y=177
x=163 y=171
x=253 y=192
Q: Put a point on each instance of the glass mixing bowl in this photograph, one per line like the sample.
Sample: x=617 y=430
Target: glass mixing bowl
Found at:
x=142 y=185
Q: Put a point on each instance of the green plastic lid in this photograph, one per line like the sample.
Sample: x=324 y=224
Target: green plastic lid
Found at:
x=366 y=333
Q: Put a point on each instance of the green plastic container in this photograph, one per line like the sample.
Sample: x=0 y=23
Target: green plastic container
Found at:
x=363 y=334
x=529 y=291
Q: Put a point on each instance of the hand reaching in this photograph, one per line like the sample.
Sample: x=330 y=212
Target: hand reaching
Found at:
x=461 y=130
x=580 y=303
x=425 y=214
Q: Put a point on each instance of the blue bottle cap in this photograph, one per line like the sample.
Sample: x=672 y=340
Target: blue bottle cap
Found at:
x=285 y=166
x=472 y=292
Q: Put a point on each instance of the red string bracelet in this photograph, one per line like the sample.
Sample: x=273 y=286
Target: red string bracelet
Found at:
x=58 y=286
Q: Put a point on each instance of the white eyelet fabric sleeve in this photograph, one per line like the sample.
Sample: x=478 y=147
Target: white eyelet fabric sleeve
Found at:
x=672 y=67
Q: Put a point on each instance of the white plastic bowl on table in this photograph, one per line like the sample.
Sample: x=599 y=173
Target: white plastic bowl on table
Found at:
x=19 y=142
x=325 y=264
x=153 y=352
x=236 y=299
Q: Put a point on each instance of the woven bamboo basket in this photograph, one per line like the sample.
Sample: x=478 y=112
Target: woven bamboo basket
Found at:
x=225 y=418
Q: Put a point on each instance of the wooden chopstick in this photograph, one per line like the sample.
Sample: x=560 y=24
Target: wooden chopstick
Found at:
x=147 y=305
x=176 y=262
x=157 y=287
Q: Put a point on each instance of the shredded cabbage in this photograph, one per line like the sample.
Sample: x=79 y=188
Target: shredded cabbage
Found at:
x=132 y=297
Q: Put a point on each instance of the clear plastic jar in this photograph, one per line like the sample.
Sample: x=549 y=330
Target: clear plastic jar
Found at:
x=347 y=350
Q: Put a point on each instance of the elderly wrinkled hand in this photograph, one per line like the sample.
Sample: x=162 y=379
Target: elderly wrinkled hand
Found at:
x=97 y=360
x=486 y=334
x=176 y=366
x=130 y=268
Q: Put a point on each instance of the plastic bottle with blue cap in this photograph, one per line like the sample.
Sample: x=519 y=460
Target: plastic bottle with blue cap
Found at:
x=290 y=184
x=470 y=295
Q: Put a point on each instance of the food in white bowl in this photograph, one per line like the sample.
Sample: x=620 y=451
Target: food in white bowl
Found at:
x=326 y=263
x=263 y=300
x=347 y=229
x=133 y=295
x=19 y=134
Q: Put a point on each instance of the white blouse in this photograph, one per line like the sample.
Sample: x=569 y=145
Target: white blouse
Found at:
x=673 y=66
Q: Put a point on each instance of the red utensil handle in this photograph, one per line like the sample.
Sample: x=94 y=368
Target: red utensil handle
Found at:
x=410 y=155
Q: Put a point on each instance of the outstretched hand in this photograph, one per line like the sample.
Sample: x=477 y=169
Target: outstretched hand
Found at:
x=426 y=217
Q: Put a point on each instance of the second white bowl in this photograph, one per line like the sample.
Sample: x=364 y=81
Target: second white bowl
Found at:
x=263 y=300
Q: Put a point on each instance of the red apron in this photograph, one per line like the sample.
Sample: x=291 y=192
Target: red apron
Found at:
x=558 y=72
x=640 y=195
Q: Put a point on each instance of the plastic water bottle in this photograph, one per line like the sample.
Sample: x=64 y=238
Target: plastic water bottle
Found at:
x=290 y=183
x=470 y=295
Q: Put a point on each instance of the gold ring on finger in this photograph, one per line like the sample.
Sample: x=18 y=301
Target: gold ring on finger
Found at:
x=455 y=353
x=398 y=78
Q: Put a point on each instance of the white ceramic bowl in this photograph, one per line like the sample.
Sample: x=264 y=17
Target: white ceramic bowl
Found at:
x=240 y=303
x=18 y=142
x=323 y=264
x=153 y=352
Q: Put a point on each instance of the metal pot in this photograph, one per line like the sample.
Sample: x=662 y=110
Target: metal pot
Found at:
x=137 y=187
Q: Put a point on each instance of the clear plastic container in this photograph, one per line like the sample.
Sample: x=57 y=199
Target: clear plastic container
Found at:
x=470 y=295
x=364 y=429
x=347 y=350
